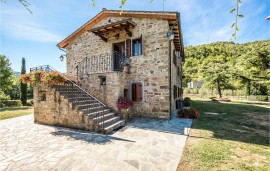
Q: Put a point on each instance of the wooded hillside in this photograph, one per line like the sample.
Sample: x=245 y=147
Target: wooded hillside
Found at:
x=230 y=66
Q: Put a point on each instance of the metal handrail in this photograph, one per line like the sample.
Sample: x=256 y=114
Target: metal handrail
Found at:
x=84 y=67
x=78 y=86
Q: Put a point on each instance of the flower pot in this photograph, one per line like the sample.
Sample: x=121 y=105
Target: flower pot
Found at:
x=125 y=113
x=125 y=69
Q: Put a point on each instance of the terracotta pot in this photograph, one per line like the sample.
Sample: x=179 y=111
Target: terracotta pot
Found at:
x=126 y=114
x=125 y=69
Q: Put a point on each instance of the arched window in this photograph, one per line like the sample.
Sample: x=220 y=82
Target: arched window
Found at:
x=137 y=92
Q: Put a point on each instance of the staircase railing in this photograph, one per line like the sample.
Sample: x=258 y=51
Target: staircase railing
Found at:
x=70 y=84
x=100 y=64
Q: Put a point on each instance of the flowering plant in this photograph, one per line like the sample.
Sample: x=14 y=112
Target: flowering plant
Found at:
x=53 y=78
x=124 y=103
x=42 y=77
x=26 y=78
x=37 y=77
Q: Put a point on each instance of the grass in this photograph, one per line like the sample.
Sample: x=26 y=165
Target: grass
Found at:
x=12 y=112
x=237 y=138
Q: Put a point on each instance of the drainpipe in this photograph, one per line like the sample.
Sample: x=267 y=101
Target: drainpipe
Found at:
x=170 y=76
x=170 y=36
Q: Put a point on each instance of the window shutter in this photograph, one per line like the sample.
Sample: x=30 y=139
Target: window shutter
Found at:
x=128 y=48
x=138 y=92
x=141 y=44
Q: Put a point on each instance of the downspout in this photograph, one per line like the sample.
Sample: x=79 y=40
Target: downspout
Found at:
x=170 y=77
x=182 y=53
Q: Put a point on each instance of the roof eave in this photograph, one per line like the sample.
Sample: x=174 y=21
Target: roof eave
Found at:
x=116 y=13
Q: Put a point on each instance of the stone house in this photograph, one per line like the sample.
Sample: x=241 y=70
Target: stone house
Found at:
x=97 y=52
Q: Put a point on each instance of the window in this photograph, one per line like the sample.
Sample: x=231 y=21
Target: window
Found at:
x=137 y=46
x=174 y=92
x=102 y=79
x=42 y=95
x=178 y=70
x=137 y=92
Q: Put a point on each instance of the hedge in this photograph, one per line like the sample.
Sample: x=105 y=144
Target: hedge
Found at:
x=10 y=103
x=257 y=98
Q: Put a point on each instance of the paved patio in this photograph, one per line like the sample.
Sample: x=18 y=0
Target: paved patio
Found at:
x=143 y=144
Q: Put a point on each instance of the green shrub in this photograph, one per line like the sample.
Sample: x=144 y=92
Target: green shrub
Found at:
x=3 y=96
x=257 y=98
x=187 y=99
x=30 y=102
x=10 y=103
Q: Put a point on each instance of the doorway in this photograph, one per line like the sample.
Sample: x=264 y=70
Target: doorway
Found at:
x=118 y=55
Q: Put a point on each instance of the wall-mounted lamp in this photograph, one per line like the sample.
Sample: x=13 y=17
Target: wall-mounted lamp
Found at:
x=62 y=57
x=170 y=35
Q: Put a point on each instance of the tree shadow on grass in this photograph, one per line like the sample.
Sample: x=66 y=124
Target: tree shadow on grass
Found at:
x=237 y=122
x=85 y=136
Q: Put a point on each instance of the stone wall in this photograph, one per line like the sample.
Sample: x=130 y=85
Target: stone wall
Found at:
x=56 y=110
x=151 y=68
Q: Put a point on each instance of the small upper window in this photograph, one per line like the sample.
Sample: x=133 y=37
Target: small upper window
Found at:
x=137 y=47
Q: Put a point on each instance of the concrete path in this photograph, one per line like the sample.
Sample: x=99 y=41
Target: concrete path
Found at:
x=143 y=144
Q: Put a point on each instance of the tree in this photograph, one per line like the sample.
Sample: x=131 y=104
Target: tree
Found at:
x=6 y=74
x=23 y=86
x=225 y=65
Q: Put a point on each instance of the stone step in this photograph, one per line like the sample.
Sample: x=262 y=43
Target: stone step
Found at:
x=103 y=116
x=83 y=102
x=79 y=98
x=69 y=91
x=87 y=105
x=108 y=121
x=112 y=126
x=93 y=114
x=94 y=109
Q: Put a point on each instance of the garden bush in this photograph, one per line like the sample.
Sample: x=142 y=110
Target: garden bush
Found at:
x=188 y=113
x=30 y=102
x=258 y=98
x=187 y=99
x=10 y=103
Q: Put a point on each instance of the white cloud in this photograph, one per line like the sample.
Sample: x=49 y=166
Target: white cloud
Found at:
x=29 y=31
x=19 y=24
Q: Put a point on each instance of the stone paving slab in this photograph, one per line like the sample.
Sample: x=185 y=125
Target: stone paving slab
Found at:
x=143 y=144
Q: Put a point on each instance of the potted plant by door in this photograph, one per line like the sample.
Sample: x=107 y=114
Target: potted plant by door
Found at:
x=125 y=105
x=126 y=65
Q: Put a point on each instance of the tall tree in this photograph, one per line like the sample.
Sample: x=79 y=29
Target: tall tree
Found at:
x=23 y=86
x=5 y=74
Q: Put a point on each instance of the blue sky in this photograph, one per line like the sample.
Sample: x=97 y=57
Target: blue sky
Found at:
x=35 y=36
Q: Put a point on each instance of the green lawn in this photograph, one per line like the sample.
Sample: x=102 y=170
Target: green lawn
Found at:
x=12 y=112
x=235 y=138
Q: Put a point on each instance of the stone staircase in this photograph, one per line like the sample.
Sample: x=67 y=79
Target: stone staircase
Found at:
x=104 y=119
